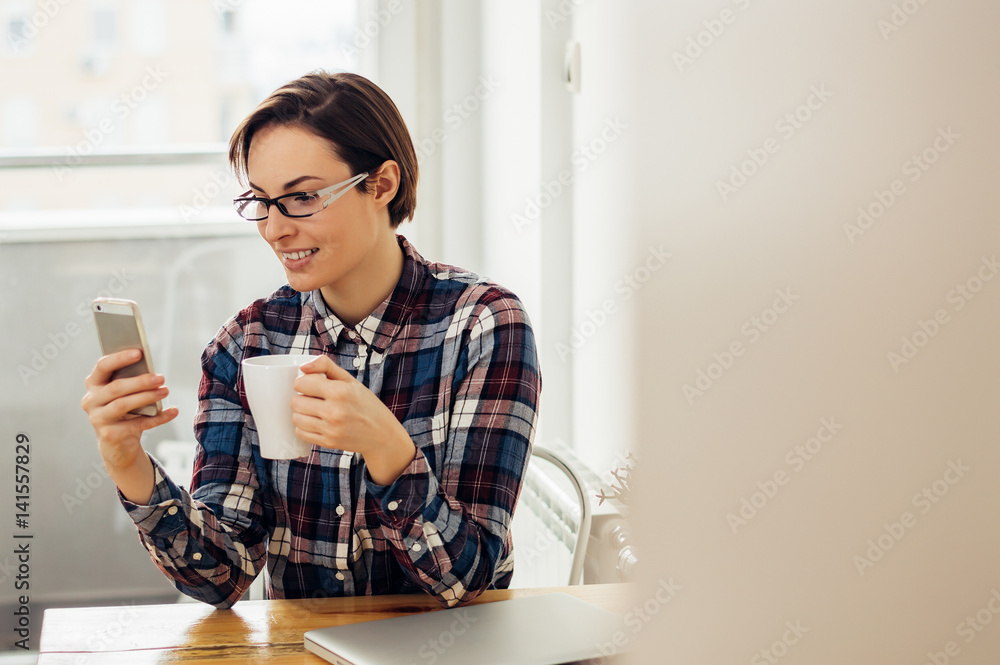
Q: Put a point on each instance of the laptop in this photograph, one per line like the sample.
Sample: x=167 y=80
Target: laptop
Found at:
x=547 y=629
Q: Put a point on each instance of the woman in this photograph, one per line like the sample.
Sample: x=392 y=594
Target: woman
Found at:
x=421 y=410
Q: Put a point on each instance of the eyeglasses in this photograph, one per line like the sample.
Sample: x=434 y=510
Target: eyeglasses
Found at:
x=297 y=204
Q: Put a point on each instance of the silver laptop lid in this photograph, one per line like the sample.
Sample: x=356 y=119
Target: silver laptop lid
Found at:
x=535 y=630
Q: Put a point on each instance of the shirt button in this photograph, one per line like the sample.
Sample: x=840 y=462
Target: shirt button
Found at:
x=197 y=556
x=358 y=362
x=416 y=547
x=393 y=505
x=340 y=510
x=172 y=510
x=340 y=576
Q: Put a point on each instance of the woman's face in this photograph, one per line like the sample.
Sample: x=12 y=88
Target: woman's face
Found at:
x=323 y=249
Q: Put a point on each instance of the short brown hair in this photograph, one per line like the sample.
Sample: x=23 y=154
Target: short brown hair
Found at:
x=362 y=124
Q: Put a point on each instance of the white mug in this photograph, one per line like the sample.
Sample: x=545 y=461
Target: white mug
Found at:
x=268 y=383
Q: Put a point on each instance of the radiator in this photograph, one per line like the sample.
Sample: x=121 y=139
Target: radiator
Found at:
x=545 y=526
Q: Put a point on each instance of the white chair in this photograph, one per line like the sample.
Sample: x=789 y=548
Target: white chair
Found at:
x=548 y=516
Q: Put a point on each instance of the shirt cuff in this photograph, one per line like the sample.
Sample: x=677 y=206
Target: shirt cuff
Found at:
x=164 y=514
x=407 y=497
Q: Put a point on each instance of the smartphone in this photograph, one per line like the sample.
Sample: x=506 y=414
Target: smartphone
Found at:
x=119 y=327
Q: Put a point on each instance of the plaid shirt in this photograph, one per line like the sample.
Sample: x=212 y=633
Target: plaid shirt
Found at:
x=453 y=357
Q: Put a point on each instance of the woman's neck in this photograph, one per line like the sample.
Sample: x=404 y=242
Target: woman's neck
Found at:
x=365 y=290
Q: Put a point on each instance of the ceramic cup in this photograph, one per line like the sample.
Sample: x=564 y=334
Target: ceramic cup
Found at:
x=268 y=383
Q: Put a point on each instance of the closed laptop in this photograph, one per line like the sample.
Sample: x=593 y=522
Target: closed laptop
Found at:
x=547 y=629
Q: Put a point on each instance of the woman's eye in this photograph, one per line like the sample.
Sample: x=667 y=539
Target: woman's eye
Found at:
x=304 y=197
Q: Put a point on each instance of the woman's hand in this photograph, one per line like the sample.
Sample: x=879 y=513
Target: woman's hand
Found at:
x=119 y=432
x=334 y=410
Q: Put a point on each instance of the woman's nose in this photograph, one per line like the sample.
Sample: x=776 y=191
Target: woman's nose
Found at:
x=276 y=225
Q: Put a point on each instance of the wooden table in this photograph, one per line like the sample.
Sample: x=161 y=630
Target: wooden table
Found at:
x=264 y=631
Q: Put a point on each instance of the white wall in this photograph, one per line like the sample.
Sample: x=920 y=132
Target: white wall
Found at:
x=85 y=547
x=476 y=84
x=606 y=142
x=801 y=559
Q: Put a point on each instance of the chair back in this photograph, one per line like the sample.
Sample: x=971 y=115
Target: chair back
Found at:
x=551 y=523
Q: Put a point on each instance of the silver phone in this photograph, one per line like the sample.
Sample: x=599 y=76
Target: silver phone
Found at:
x=119 y=327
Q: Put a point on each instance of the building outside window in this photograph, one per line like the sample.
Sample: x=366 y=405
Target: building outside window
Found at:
x=155 y=87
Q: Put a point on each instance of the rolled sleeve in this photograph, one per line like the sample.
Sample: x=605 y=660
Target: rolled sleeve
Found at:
x=164 y=514
x=209 y=542
x=408 y=496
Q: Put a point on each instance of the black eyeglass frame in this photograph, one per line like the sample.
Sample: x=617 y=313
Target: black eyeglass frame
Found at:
x=241 y=202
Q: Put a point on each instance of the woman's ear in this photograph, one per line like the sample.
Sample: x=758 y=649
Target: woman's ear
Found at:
x=386 y=182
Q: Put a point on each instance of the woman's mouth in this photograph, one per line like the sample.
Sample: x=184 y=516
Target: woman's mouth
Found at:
x=291 y=256
x=295 y=260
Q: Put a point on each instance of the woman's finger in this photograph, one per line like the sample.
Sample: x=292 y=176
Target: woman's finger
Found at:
x=100 y=396
x=110 y=364
x=124 y=387
x=325 y=365
x=120 y=408
x=149 y=422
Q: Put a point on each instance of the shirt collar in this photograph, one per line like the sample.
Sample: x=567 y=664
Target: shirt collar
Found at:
x=380 y=327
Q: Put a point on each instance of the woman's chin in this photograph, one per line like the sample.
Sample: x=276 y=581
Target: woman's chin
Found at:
x=299 y=283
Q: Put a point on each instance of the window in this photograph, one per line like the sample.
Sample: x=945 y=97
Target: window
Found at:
x=19 y=29
x=20 y=121
x=149 y=28
x=146 y=96
x=16 y=29
x=104 y=28
x=228 y=18
x=151 y=122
